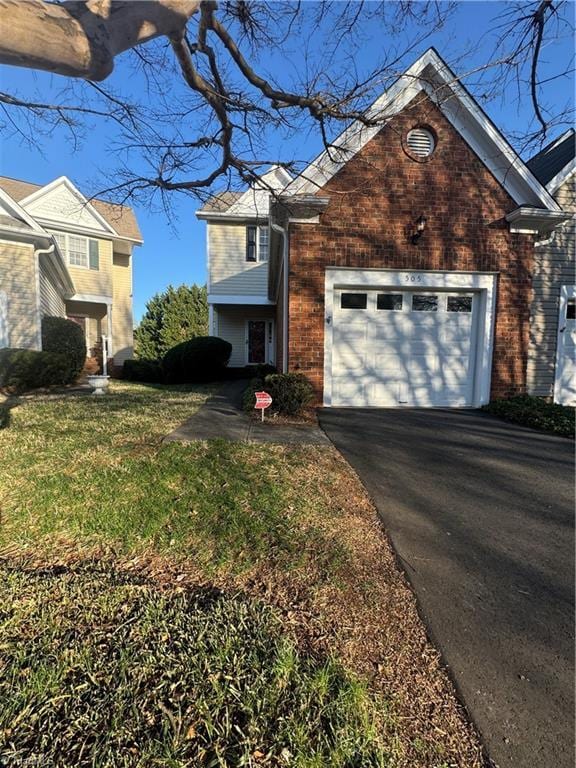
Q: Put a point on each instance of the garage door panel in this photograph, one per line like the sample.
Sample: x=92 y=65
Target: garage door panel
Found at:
x=350 y=390
x=407 y=357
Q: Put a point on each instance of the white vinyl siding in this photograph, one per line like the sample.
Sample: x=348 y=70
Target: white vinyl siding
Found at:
x=230 y=325
x=51 y=301
x=230 y=273
x=554 y=266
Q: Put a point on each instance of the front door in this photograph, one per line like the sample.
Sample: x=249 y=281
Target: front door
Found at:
x=256 y=342
x=565 y=379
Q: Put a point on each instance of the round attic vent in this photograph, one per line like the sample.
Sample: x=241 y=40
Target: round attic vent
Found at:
x=420 y=142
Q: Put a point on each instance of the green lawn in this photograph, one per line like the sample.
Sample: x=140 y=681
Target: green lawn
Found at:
x=212 y=604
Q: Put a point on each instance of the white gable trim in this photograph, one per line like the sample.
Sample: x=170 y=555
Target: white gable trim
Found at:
x=20 y=213
x=431 y=75
x=555 y=183
x=255 y=201
x=43 y=191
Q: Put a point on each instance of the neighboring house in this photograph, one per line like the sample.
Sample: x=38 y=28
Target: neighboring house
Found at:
x=62 y=255
x=552 y=353
x=396 y=269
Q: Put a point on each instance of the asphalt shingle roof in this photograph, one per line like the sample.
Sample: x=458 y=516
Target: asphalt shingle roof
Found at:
x=121 y=217
x=553 y=158
x=220 y=202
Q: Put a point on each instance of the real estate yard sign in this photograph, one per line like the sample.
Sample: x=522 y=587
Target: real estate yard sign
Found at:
x=263 y=401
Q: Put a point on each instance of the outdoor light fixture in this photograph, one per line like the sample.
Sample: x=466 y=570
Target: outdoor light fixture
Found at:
x=419 y=230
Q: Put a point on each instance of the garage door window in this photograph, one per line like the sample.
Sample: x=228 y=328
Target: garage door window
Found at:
x=389 y=301
x=424 y=302
x=353 y=301
x=459 y=304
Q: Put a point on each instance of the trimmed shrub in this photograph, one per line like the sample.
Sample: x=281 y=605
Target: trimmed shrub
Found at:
x=535 y=412
x=22 y=369
x=248 y=398
x=143 y=370
x=290 y=392
x=65 y=337
x=201 y=359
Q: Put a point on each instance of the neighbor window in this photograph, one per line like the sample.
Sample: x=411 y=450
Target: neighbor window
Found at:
x=78 y=251
x=389 y=301
x=571 y=309
x=353 y=301
x=257 y=242
x=423 y=302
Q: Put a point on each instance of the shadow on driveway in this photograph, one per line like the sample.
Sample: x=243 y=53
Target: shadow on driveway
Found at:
x=481 y=514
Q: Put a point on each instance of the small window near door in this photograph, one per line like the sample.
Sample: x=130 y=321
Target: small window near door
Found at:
x=391 y=301
x=459 y=304
x=571 y=309
x=424 y=302
x=353 y=300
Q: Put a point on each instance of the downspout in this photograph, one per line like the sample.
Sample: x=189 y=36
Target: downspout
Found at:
x=284 y=233
x=37 y=253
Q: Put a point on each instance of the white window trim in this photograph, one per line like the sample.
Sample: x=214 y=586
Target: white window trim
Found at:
x=258 y=228
x=270 y=345
x=67 y=236
x=374 y=279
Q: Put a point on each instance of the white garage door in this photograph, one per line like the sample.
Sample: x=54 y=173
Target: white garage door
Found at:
x=403 y=348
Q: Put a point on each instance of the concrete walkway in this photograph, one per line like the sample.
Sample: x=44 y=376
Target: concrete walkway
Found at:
x=222 y=417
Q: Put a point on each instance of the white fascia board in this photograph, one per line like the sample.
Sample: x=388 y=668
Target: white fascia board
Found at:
x=20 y=213
x=224 y=216
x=91 y=298
x=25 y=232
x=528 y=220
x=215 y=298
x=87 y=231
x=561 y=177
x=462 y=112
x=39 y=193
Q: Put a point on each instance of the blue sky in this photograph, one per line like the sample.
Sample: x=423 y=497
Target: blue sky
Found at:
x=174 y=251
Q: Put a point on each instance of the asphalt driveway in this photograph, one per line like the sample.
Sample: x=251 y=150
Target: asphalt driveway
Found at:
x=481 y=514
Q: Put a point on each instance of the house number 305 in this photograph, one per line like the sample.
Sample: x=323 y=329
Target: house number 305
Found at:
x=412 y=278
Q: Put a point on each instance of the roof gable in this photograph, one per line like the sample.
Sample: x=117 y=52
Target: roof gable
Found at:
x=431 y=76
x=255 y=202
x=10 y=209
x=61 y=203
x=120 y=217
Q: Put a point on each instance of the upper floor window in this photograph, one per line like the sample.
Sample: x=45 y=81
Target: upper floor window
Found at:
x=78 y=251
x=257 y=242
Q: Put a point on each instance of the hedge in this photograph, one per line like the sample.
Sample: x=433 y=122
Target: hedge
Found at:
x=65 y=337
x=203 y=358
x=22 y=369
x=149 y=371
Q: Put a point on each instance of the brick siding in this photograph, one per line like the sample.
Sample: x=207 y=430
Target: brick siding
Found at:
x=375 y=200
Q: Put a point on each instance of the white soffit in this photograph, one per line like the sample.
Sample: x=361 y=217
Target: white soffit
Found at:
x=432 y=76
x=61 y=202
